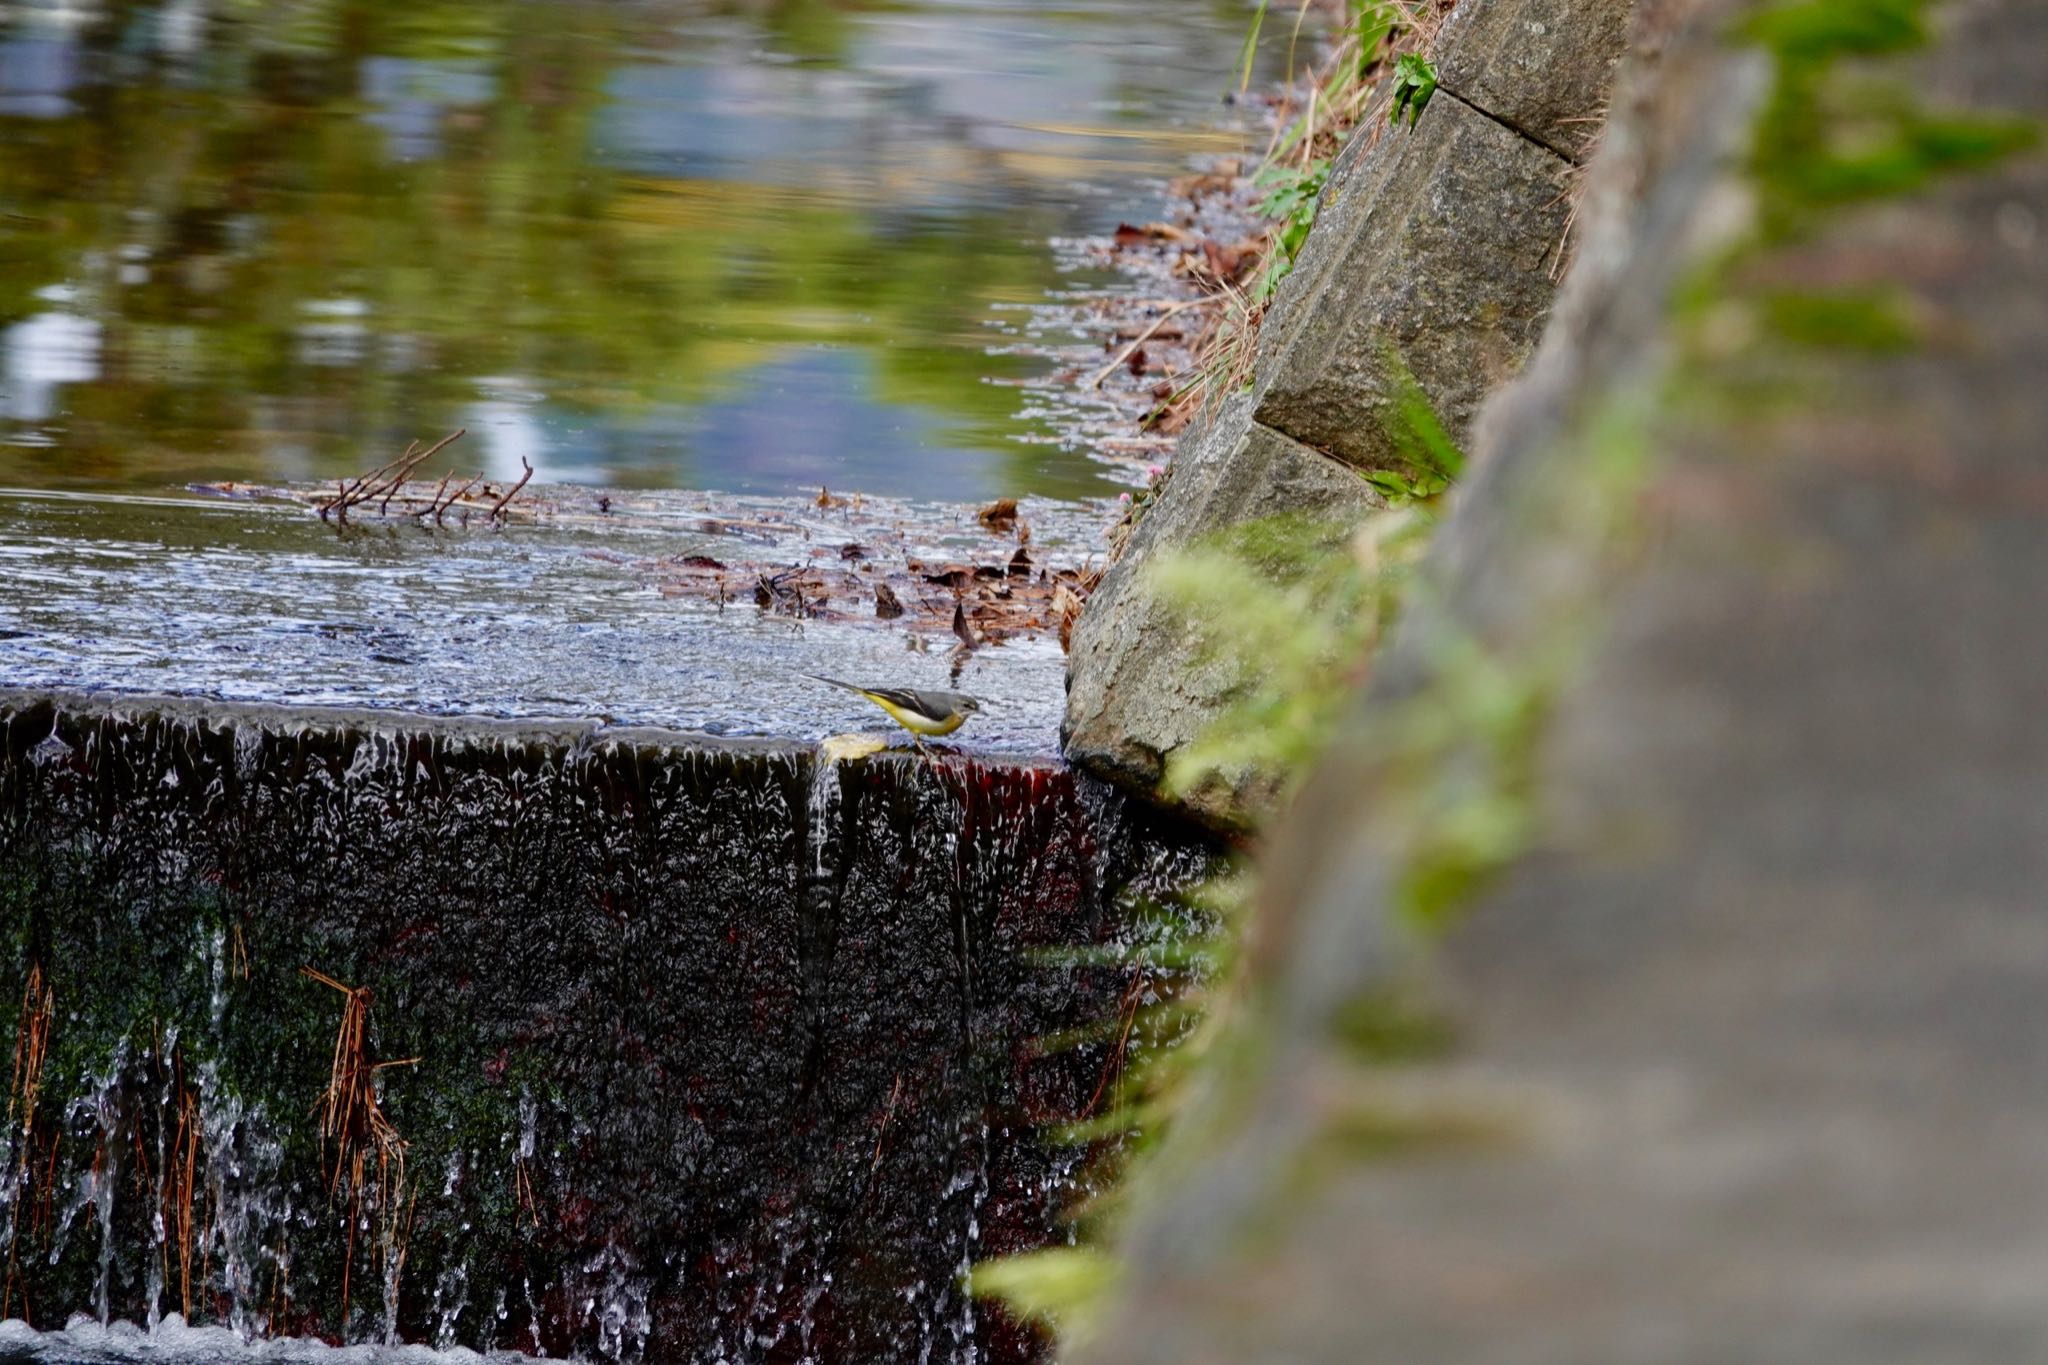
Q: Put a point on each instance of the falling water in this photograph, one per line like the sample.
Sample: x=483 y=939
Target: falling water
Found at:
x=678 y=1049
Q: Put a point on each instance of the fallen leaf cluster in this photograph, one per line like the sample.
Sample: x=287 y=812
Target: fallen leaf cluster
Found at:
x=979 y=602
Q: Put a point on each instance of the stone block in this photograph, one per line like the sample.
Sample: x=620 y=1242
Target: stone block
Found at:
x=1139 y=685
x=1439 y=246
x=1543 y=67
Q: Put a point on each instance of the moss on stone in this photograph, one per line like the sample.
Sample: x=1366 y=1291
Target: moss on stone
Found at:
x=1826 y=138
x=1391 y=1027
x=1872 y=321
x=1811 y=31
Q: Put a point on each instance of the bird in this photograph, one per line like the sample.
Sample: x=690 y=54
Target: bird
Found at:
x=916 y=710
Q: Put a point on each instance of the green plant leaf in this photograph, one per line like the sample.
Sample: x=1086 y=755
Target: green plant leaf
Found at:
x=1414 y=82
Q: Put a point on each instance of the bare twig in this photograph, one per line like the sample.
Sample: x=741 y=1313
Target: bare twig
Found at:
x=406 y=464
x=454 y=498
x=1112 y=1067
x=498 y=509
x=385 y=481
x=434 y=498
x=883 y=1131
x=413 y=458
x=31 y=1048
x=352 y=1118
x=350 y=1114
x=1124 y=356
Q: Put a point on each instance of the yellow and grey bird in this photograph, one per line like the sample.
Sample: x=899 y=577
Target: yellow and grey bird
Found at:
x=916 y=710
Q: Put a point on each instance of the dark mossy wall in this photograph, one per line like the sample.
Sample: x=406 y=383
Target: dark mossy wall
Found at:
x=718 y=1055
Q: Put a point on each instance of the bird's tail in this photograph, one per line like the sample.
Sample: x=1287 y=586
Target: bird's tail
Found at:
x=819 y=677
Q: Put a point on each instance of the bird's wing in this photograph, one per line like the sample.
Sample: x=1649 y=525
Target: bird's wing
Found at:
x=937 y=705
x=934 y=704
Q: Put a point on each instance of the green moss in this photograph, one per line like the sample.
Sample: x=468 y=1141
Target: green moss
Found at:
x=1391 y=1028
x=1372 y=1129
x=1470 y=738
x=1820 y=30
x=1363 y=1132
x=138 y=976
x=1876 y=322
x=1915 y=149
x=1824 y=139
x=1290 y=607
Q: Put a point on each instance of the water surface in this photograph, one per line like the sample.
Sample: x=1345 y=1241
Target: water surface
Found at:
x=133 y=593
x=744 y=246
x=755 y=248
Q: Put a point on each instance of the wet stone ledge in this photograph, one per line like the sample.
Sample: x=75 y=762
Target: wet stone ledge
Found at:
x=696 y=1049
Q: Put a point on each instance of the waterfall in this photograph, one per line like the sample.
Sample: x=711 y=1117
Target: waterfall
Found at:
x=623 y=1045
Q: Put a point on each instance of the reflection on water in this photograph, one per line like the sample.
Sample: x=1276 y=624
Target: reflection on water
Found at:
x=748 y=245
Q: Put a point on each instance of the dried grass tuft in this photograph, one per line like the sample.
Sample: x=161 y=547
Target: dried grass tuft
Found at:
x=24 y=1093
x=180 y=1189
x=31 y=1049
x=353 y=1124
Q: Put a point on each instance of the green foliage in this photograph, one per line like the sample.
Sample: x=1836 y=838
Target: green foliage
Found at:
x=1292 y=607
x=1414 y=83
x=1250 y=51
x=1293 y=194
x=1367 y=1132
x=1471 y=818
x=1433 y=459
x=1460 y=748
x=1387 y=1027
x=1057 y=1288
x=1293 y=185
x=1376 y=23
x=1372 y=23
x=1809 y=32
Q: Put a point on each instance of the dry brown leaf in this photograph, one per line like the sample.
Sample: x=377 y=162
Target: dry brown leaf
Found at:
x=1127 y=235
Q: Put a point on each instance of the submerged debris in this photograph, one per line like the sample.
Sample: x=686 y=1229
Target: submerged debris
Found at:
x=984 y=603
x=390 y=492
x=1000 y=516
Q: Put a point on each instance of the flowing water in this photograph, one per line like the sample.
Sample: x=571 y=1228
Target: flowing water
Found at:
x=705 y=245
x=677 y=1051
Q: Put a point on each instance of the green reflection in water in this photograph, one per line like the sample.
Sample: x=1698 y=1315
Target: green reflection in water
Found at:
x=735 y=246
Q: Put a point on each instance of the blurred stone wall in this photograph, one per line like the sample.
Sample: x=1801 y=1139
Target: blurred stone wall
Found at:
x=1699 y=809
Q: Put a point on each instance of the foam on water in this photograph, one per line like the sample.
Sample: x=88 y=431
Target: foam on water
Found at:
x=86 y=1341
